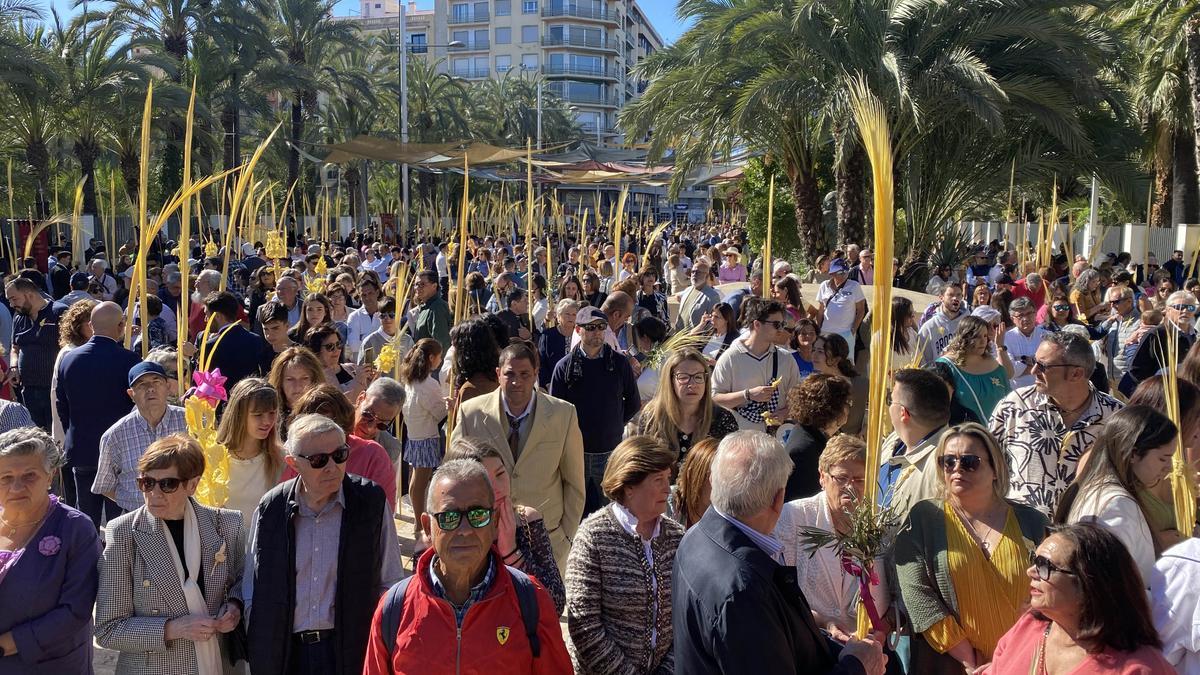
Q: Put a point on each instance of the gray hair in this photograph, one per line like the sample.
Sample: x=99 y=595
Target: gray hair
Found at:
x=174 y=277
x=1033 y=279
x=1121 y=292
x=101 y=262
x=1181 y=297
x=1077 y=350
x=1020 y=305
x=211 y=277
x=459 y=471
x=566 y=304
x=1085 y=279
x=387 y=390
x=312 y=424
x=166 y=357
x=27 y=441
x=749 y=469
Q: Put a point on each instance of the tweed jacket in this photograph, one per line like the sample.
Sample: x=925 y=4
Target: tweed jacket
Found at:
x=548 y=475
x=922 y=560
x=140 y=589
x=610 y=598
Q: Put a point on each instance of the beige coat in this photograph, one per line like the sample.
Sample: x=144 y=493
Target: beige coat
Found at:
x=549 y=474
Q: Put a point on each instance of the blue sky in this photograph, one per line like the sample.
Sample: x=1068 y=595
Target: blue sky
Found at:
x=660 y=12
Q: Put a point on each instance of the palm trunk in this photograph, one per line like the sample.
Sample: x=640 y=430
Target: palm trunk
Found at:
x=297 y=133
x=851 y=210
x=1185 y=187
x=1193 y=72
x=86 y=151
x=809 y=224
x=130 y=174
x=37 y=155
x=1160 y=209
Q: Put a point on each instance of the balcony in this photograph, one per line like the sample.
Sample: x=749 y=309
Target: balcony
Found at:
x=471 y=73
x=468 y=17
x=473 y=46
x=578 y=41
x=582 y=98
x=559 y=70
x=587 y=13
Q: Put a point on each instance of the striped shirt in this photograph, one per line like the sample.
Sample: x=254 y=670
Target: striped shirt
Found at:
x=123 y=445
x=36 y=341
x=13 y=416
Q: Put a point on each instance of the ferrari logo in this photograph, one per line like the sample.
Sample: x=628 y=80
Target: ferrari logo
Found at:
x=502 y=634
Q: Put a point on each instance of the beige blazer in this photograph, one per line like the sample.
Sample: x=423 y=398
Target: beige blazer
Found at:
x=549 y=474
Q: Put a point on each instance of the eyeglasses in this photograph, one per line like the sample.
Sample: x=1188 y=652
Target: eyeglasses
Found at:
x=477 y=517
x=166 y=485
x=1183 y=308
x=684 y=379
x=1043 y=567
x=1062 y=308
x=387 y=316
x=968 y=463
x=372 y=418
x=331 y=346
x=777 y=324
x=320 y=459
x=593 y=327
x=1049 y=366
x=845 y=481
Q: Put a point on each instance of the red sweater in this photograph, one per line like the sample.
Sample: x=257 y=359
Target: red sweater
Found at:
x=1019 y=647
x=369 y=460
x=491 y=640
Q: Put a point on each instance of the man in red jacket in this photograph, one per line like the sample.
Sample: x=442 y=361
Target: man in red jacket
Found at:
x=464 y=611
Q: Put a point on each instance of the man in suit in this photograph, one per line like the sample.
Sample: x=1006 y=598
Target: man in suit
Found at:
x=735 y=606
x=91 y=397
x=239 y=352
x=538 y=437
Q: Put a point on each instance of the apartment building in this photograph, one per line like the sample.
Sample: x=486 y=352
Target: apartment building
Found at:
x=380 y=16
x=584 y=49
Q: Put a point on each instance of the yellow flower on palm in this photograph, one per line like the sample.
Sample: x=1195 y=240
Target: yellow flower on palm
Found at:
x=386 y=361
x=210 y=249
x=316 y=284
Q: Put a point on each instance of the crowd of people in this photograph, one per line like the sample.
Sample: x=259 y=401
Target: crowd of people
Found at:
x=612 y=466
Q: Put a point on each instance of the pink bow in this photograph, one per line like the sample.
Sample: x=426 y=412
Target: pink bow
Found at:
x=866 y=578
x=210 y=386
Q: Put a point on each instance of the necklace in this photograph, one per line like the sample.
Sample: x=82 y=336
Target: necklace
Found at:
x=1041 y=652
x=10 y=529
x=983 y=540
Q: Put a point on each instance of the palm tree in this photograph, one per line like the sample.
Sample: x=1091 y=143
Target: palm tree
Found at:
x=33 y=107
x=305 y=35
x=352 y=79
x=505 y=111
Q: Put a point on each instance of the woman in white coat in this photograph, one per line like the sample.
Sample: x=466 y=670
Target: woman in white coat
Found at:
x=1131 y=454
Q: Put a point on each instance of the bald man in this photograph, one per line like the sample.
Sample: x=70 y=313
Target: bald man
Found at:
x=91 y=397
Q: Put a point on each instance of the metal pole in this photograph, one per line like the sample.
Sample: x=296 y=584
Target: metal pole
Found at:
x=402 y=227
x=539 y=115
x=1093 y=223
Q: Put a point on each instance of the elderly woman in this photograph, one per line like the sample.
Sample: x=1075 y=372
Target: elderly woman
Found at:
x=48 y=554
x=1087 y=300
x=682 y=412
x=831 y=593
x=981 y=378
x=1084 y=617
x=619 y=570
x=819 y=406
x=171 y=570
x=961 y=559
x=1131 y=454
x=520 y=529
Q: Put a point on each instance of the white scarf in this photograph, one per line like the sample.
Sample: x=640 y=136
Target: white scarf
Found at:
x=208 y=653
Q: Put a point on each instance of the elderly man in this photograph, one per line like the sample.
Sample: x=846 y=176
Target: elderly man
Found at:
x=539 y=438
x=1045 y=428
x=698 y=299
x=1123 y=321
x=735 y=606
x=125 y=441
x=554 y=342
x=374 y=410
x=464 y=610
x=433 y=314
x=322 y=550
x=1022 y=340
x=207 y=282
x=34 y=345
x=841 y=305
x=864 y=271
x=1179 y=322
x=287 y=292
x=98 y=269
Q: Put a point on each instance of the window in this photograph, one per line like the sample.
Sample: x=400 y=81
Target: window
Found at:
x=503 y=63
x=460 y=67
x=463 y=36
x=529 y=6
x=503 y=36
x=503 y=7
x=481 y=67
x=418 y=42
x=461 y=12
x=481 y=11
x=529 y=34
x=529 y=61
x=378 y=6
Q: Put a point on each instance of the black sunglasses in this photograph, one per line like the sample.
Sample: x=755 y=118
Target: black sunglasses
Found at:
x=319 y=460
x=969 y=463
x=1043 y=567
x=387 y=315
x=166 y=485
x=477 y=517
x=332 y=346
x=369 y=416
x=593 y=327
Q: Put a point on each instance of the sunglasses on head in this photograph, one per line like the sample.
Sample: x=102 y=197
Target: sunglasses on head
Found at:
x=166 y=485
x=477 y=517
x=320 y=459
x=332 y=346
x=968 y=463
x=1043 y=567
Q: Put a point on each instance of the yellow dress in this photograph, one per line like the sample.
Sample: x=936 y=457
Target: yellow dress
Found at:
x=991 y=592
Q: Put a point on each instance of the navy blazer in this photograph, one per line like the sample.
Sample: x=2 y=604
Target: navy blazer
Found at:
x=93 y=383
x=240 y=354
x=735 y=610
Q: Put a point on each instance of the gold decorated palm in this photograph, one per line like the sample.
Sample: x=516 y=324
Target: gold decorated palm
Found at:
x=201 y=419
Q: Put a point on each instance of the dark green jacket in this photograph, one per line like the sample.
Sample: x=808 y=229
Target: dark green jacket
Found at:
x=433 y=321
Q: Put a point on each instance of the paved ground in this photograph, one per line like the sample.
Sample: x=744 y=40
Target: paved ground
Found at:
x=105 y=661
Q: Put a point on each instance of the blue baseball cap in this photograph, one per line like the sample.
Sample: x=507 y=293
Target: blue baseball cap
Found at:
x=838 y=266
x=143 y=369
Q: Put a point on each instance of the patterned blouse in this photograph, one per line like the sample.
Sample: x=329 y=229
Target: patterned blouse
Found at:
x=533 y=541
x=1042 y=452
x=723 y=423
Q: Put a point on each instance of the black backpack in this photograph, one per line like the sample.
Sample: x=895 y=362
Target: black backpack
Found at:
x=393 y=608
